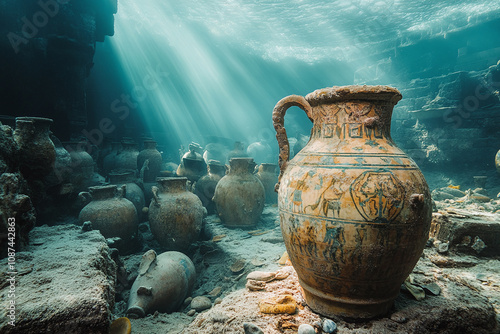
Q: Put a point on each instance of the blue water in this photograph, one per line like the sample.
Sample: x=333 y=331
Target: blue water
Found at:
x=216 y=68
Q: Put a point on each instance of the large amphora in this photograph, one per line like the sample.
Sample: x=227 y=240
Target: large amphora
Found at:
x=355 y=210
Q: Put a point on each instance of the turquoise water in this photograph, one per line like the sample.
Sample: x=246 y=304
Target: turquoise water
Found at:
x=195 y=69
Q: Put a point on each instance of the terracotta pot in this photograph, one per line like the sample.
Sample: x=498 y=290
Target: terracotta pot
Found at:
x=239 y=196
x=355 y=210
x=497 y=161
x=109 y=212
x=127 y=157
x=37 y=153
x=150 y=153
x=82 y=166
x=175 y=214
x=205 y=186
x=163 y=283
x=192 y=164
x=133 y=192
x=268 y=176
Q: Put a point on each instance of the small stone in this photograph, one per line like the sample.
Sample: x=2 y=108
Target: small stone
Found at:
x=143 y=228
x=87 y=226
x=478 y=245
x=187 y=302
x=252 y=329
x=215 y=292
x=398 y=318
x=201 y=303
x=443 y=247
x=329 y=326
x=217 y=301
x=191 y=313
x=306 y=329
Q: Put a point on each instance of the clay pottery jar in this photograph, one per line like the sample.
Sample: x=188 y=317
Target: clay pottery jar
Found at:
x=127 y=157
x=109 y=212
x=192 y=164
x=497 y=161
x=175 y=214
x=163 y=283
x=269 y=177
x=260 y=151
x=109 y=161
x=238 y=151
x=82 y=166
x=154 y=164
x=205 y=186
x=355 y=210
x=62 y=170
x=133 y=192
x=240 y=196
x=37 y=153
x=215 y=151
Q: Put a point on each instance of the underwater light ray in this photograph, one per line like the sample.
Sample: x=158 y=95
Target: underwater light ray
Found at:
x=230 y=61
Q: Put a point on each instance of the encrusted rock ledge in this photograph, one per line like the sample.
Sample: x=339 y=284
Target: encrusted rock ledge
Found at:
x=65 y=283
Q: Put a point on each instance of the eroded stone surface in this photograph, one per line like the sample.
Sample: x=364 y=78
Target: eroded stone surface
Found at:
x=65 y=283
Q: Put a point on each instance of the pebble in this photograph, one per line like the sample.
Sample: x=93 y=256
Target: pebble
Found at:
x=191 y=313
x=400 y=319
x=306 y=329
x=201 y=303
x=329 y=326
x=443 y=247
x=217 y=301
x=87 y=226
x=252 y=329
x=187 y=302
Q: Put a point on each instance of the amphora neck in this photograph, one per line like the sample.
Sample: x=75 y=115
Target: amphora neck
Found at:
x=353 y=120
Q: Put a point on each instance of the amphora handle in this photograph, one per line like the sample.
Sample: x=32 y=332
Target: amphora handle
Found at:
x=279 y=125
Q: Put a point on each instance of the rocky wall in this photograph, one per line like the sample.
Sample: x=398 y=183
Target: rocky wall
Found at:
x=449 y=117
x=46 y=53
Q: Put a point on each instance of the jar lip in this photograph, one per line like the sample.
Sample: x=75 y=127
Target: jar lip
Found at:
x=37 y=119
x=354 y=92
x=171 y=178
x=105 y=187
x=121 y=172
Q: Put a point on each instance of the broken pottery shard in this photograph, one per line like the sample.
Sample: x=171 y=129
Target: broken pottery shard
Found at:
x=120 y=326
x=147 y=259
x=238 y=266
x=215 y=291
x=257 y=262
x=278 y=305
x=261 y=276
x=284 y=260
x=415 y=290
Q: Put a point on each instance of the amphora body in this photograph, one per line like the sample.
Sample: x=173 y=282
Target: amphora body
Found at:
x=355 y=210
